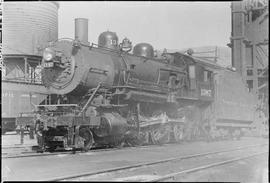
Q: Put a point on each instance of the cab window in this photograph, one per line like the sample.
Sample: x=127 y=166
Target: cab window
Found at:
x=191 y=71
x=206 y=76
x=192 y=76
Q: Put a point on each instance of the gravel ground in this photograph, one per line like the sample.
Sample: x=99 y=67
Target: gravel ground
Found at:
x=48 y=167
x=249 y=171
x=172 y=167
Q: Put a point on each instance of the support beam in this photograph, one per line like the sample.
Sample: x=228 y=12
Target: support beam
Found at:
x=237 y=37
x=263 y=86
x=264 y=71
x=25 y=68
x=255 y=70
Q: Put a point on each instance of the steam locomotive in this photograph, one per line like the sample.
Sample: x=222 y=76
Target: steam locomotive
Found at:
x=105 y=95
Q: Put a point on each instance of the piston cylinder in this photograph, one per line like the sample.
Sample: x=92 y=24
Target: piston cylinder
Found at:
x=111 y=124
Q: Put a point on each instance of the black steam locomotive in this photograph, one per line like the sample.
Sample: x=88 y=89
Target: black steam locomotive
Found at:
x=105 y=95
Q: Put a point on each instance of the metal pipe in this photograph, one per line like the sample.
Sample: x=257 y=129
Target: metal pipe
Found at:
x=90 y=99
x=25 y=68
x=81 y=30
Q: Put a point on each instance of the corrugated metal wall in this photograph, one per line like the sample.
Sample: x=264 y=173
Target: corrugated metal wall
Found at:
x=28 y=26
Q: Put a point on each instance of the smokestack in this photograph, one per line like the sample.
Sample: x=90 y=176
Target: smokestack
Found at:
x=81 y=30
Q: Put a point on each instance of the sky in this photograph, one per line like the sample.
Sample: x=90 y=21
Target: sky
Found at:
x=171 y=25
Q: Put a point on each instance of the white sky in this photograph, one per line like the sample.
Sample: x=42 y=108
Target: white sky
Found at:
x=171 y=25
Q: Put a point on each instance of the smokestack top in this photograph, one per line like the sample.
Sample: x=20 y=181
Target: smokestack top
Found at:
x=81 y=30
x=85 y=19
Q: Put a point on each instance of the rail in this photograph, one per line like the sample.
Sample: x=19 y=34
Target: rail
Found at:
x=140 y=165
x=173 y=175
x=34 y=154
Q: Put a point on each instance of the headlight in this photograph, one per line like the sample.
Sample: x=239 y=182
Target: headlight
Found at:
x=48 y=54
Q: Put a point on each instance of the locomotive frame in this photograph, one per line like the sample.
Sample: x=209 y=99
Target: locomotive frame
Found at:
x=107 y=96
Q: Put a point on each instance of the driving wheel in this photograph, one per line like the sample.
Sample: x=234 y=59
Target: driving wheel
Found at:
x=87 y=137
x=161 y=135
x=178 y=133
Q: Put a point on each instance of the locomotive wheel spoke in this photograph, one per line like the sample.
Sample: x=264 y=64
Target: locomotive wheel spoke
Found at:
x=144 y=137
x=155 y=135
x=178 y=133
x=161 y=135
x=88 y=138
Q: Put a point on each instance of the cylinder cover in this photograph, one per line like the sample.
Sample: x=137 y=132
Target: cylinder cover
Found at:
x=111 y=124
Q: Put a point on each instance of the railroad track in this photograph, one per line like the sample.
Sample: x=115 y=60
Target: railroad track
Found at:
x=35 y=154
x=15 y=147
x=203 y=167
x=26 y=154
x=136 y=171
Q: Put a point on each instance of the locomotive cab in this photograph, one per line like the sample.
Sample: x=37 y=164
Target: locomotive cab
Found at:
x=203 y=81
x=200 y=75
x=200 y=82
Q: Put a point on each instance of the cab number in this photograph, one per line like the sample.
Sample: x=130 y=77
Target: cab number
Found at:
x=48 y=64
x=205 y=92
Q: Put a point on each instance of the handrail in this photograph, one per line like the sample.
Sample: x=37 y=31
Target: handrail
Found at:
x=57 y=105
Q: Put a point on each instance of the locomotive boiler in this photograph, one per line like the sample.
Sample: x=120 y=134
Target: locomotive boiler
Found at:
x=106 y=95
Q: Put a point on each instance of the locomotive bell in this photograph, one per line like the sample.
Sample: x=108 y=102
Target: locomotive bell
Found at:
x=126 y=45
x=108 y=40
x=144 y=49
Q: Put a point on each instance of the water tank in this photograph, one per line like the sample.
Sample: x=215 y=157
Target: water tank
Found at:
x=108 y=39
x=29 y=26
x=144 y=49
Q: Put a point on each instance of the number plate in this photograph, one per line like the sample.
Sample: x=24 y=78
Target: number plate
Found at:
x=205 y=92
x=48 y=64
